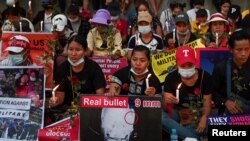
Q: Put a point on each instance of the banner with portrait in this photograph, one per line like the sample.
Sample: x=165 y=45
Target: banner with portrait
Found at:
x=42 y=46
x=21 y=102
x=120 y=118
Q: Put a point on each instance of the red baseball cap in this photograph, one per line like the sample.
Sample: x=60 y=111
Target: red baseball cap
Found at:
x=18 y=43
x=185 y=54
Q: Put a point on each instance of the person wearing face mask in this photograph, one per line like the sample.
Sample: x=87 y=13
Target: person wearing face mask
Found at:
x=61 y=28
x=182 y=33
x=18 y=52
x=104 y=40
x=182 y=87
x=131 y=80
x=168 y=15
x=120 y=23
x=216 y=37
x=79 y=25
x=198 y=4
x=36 y=86
x=44 y=15
x=156 y=24
x=77 y=70
x=145 y=36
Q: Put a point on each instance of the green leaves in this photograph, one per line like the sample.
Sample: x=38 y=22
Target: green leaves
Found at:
x=109 y=34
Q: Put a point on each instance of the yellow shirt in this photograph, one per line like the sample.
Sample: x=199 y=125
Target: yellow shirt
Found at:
x=203 y=28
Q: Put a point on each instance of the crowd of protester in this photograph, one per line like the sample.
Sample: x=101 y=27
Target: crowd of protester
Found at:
x=104 y=30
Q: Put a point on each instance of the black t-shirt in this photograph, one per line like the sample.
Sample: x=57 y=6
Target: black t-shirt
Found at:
x=188 y=93
x=91 y=79
x=129 y=86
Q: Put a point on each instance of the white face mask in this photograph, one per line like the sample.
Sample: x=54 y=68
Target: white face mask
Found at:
x=144 y=29
x=76 y=63
x=74 y=20
x=138 y=74
x=16 y=59
x=186 y=73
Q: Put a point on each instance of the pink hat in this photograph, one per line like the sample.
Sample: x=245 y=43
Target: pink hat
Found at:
x=17 y=44
x=185 y=54
x=217 y=17
x=102 y=16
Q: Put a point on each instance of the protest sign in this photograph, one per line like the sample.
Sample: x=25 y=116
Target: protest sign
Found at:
x=208 y=57
x=164 y=63
x=195 y=44
x=120 y=118
x=109 y=66
x=21 y=102
x=229 y=120
x=61 y=130
x=41 y=51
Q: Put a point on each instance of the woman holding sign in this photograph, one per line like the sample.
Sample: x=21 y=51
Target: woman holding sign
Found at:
x=137 y=78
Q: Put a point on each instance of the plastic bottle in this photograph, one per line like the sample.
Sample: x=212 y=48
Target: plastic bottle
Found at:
x=173 y=136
